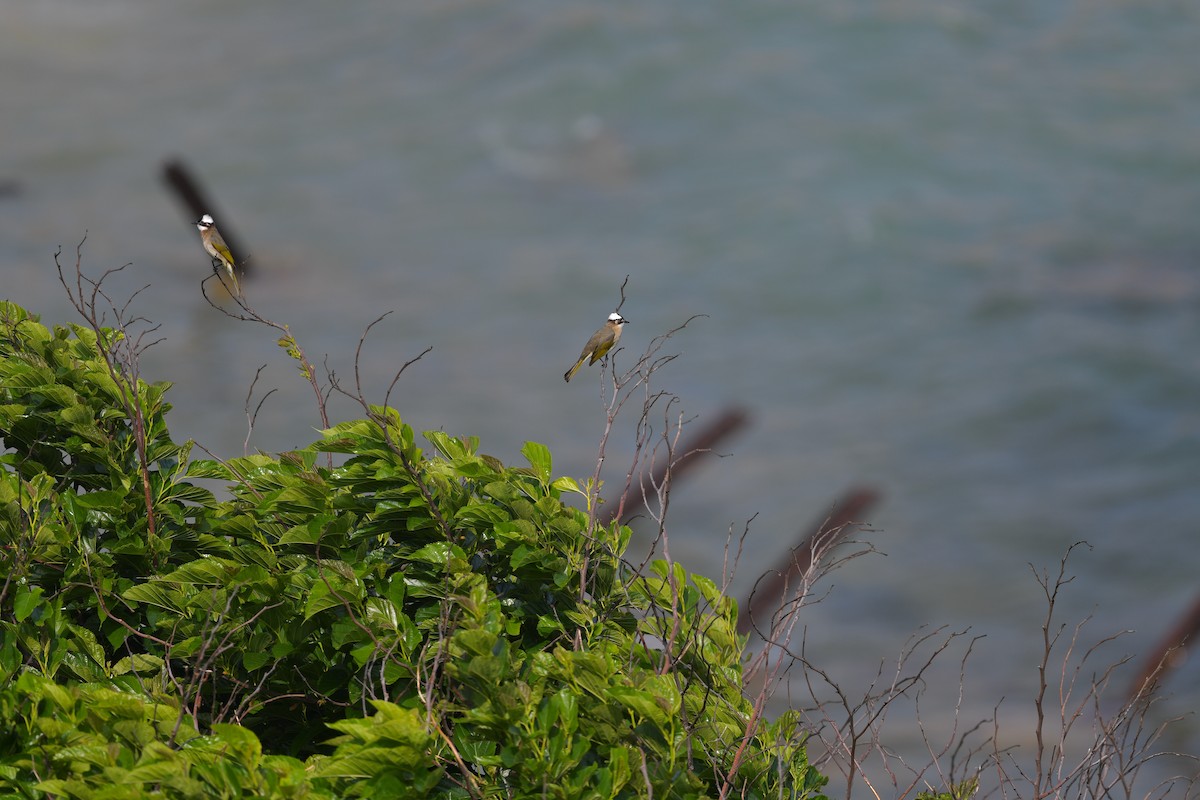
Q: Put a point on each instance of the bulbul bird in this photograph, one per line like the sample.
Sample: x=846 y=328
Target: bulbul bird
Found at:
x=601 y=342
x=216 y=247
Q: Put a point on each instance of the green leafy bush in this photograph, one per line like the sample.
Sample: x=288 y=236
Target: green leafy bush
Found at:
x=356 y=618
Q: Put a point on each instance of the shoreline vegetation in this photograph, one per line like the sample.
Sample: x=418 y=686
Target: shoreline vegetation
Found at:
x=386 y=614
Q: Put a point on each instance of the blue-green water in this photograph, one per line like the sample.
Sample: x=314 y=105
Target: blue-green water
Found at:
x=948 y=251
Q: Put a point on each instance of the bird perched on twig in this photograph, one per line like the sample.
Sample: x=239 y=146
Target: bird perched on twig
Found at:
x=216 y=247
x=601 y=342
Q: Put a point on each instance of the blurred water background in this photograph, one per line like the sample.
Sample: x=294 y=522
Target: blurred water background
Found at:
x=948 y=250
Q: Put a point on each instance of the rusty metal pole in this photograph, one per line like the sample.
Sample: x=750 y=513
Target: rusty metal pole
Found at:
x=821 y=537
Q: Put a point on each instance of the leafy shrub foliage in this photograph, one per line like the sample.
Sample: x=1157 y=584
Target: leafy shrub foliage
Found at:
x=355 y=618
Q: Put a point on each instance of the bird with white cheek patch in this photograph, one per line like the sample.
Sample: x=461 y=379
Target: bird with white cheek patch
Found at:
x=601 y=342
x=210 y=237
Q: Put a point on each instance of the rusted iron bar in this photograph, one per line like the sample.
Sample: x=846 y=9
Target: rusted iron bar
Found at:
x=701 y=444
x=1168 y=654
x=768 y=591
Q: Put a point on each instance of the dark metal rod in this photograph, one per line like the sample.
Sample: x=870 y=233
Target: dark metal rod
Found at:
x=821 y=537
x=701 y=444
x=1166 y=655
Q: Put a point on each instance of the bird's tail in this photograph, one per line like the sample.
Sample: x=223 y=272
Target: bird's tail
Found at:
x=571 y=372
x=237 y=289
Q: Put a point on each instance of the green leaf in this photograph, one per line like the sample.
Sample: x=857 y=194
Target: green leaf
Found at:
x=208 y=468
x=155 y=593
x=641 y=703
x=189 y=493
x=241 y=741
x=110 y=500
x=539 y=458
x=26 y=601
x=139 y=663
x=708 y=589
x=446 y=444
x=332 y=592
x=566 y=484
x=255 y=660
x=434 y=553
x=474 y=467
x=85 y=642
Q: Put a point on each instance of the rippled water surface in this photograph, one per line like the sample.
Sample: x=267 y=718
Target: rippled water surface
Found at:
x=945 y=250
